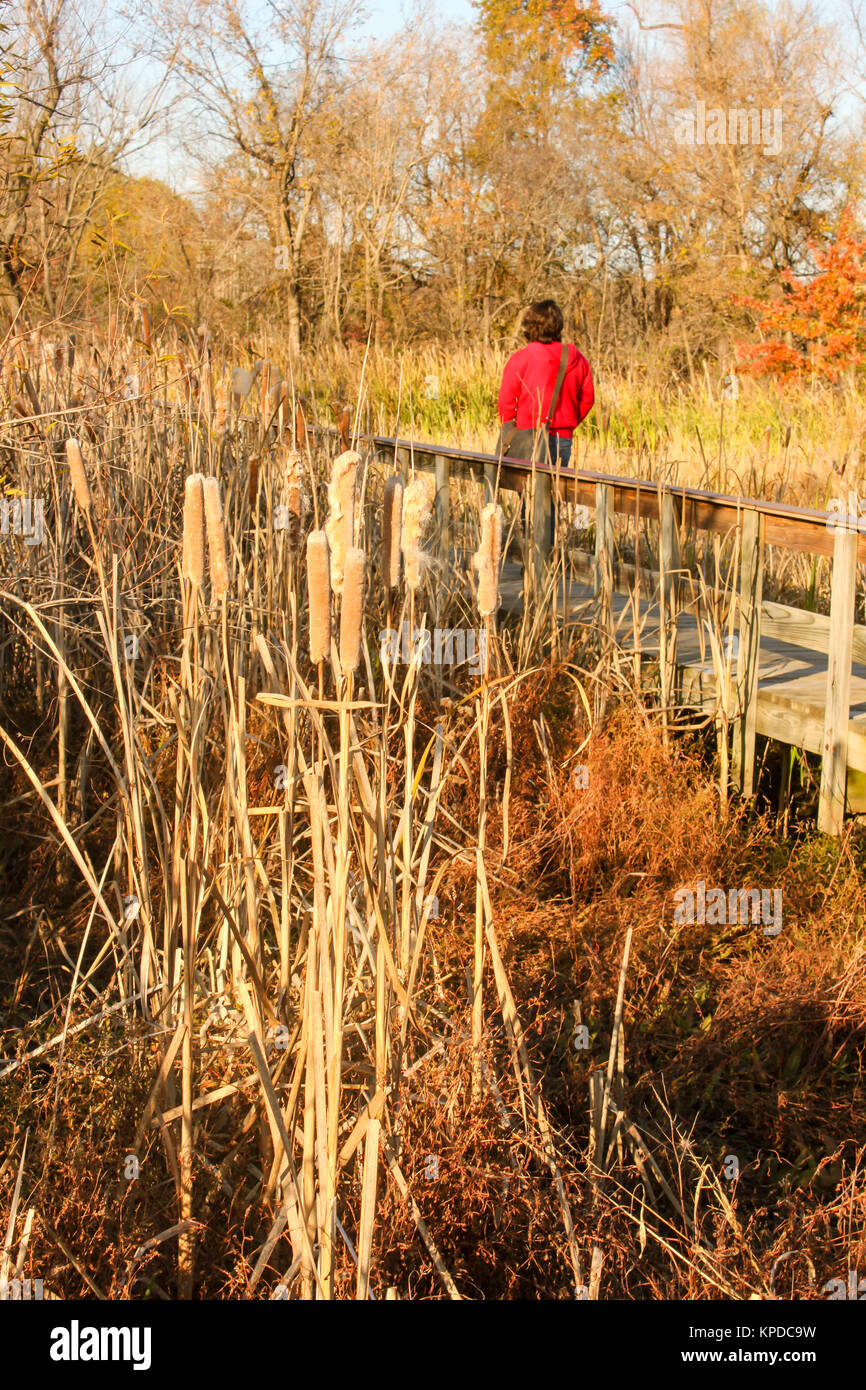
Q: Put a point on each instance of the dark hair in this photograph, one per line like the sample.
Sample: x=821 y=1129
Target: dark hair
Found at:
x=542 y=322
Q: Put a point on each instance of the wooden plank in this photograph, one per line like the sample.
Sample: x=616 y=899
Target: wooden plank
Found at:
x=808 y=630
x=834 y=750
x=748 y=660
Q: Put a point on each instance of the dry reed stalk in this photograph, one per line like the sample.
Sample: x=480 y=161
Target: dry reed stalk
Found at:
x=319 y=589
x=78 y=475
x=144 y=318
x=216 y=538
x=194 y=530
x=486 y=560
x=391 y=532
x=340 y=526
x=352 y=611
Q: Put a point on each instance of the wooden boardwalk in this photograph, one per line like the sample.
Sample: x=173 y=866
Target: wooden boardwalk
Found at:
x=791 y=680
x=795 y=676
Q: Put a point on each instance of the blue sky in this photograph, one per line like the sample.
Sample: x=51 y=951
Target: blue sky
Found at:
x=386 y=18
x=162 y=157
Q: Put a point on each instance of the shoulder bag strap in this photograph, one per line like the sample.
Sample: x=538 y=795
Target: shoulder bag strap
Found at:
x=557 y=385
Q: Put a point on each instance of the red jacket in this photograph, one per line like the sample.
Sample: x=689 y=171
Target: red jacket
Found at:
x=527 y=384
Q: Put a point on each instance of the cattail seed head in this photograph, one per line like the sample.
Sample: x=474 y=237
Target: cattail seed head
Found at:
x=145 y=325
x=486 y=560
x=297 y=499
x=340 y=525
x=216 y=538
x=242 y=383
x=352 y=610
x=77 y=474
x=221 y=415
x=319 y=592
x=391 y=532
x=194 y=530
x=417 y=511
x=264 y=389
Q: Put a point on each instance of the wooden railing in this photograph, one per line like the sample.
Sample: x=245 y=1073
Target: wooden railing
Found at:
x=828 y=731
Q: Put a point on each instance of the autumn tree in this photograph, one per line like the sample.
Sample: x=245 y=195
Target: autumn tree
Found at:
x=260 y=80
x=816 y=326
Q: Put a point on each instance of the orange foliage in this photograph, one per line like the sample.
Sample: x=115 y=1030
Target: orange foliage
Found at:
x=816 y=326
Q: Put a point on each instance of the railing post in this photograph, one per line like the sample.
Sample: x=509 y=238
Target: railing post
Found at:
x=834 y=766
x=443 y=504
x=751 y=591
x=604 y=553
x=669 y=593
x=401 y=462
x=540 y=524
x=489 y=482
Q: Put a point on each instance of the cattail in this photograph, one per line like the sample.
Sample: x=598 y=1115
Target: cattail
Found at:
x=206 y=392
x=340 y=525
x=279 y=396
x=216 y=538
x=242 y=383
x=222 y=408
x=77 y=474
x=319 y=591
x=194 y=530
x=352 y=610
x=264 y=389
x=202 y=335
x=145 y=325
x=391 y=532
x=486 y=560
x=417 y=510
x=297 y=501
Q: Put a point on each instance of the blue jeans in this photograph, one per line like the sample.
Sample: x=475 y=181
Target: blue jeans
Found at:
x=560 y=452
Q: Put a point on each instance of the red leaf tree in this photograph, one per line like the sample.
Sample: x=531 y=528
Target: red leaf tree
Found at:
x=816 y=326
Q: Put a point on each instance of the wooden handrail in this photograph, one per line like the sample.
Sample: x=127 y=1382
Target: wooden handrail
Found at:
x=797 y=528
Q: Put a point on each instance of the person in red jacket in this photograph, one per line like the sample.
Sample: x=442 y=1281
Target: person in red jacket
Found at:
x=528 y=382
x=530 y=376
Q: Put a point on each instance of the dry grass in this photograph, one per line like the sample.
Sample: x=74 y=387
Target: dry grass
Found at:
x=308 y=932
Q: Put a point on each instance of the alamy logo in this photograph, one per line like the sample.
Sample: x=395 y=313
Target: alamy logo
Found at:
x=853 y=1288
x=444 y=646
x=77 y=1343
x=27 y=519
x=740 y=905
x=852 y=520
x=731 y=126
